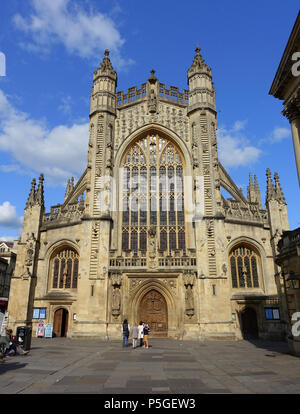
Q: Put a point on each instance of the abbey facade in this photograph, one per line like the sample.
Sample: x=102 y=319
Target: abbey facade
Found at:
x=146 y=233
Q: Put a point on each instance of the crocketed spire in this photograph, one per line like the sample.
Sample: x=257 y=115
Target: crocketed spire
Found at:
x=278 y=189
x=40 y=192
x=106 y=69
x=69 y=187
x=250 y=189
x=271 y=194
x=31 y=197
x=257 y=191
x=198 y=65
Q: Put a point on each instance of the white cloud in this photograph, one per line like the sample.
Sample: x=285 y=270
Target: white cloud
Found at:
x=280 y=133
x=83 y=33
x=59 y=152
x=239 y=125
x=234 y=148
x=9 y=217
x=8 y=238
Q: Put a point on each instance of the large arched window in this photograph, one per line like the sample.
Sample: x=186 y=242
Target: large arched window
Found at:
x=153 y=194
x=64 y=269
x=245 y=266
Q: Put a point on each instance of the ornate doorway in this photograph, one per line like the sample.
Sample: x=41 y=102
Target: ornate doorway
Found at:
x=153 y=310
x=249 y=324
x=60 y=322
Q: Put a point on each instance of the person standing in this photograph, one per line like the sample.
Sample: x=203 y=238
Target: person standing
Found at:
x=125 y=332
x=146 y=334
x=135 y=333
x=141 y=333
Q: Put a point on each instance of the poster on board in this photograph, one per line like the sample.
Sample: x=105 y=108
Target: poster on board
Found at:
x=48 y=330
x=40 y=330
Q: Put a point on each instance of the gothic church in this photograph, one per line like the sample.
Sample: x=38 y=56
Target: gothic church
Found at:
x=146 y=233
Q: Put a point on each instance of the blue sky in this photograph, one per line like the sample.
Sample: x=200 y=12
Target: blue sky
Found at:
x=53 y=47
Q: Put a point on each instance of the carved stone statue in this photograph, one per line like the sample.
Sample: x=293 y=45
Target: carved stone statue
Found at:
x=30 y=247
x=152 y=103
x=108 y=155
x=189 y=301
x=116 y=301
x=188 y=280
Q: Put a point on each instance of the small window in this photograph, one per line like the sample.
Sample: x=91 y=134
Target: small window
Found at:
x=272 y=313
x=39 y=313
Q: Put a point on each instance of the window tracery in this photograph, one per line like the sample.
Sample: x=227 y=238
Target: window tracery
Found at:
x=153 y=194
x=245 y=265
x=64 y=269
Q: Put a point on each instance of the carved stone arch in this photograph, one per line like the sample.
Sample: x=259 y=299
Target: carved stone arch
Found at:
x=52 y=250
x=247 y=240
x=187 y=176
x=168 y=133
x=256 y=247
x=154 y=286
x=59 y=244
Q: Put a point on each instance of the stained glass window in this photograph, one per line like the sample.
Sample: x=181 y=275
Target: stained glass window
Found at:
x=64 y=266
x=244 y=267
x=153 y=194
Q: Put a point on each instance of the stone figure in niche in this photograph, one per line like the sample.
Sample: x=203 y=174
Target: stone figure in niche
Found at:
x=224 y=269
x=116 y=301
x=30 y=246
x=152 y=104
x=195 y=151
x=152 y=242
x=189 y=301
x=108 y=155
x=188 y=279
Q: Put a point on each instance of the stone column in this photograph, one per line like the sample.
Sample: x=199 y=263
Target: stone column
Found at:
x=292 y=112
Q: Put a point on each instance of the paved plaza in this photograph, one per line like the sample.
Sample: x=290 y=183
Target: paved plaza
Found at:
x=64 y=366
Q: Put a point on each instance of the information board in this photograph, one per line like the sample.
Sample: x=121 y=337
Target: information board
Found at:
x=40 y=330
x=48 y=330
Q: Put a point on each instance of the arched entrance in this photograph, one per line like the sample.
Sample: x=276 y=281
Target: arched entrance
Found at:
x=60 y=322
x=153 y=310
x=249 y=324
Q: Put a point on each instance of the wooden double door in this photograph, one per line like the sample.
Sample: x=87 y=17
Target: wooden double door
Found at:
x=153 y=310
x=60 y=322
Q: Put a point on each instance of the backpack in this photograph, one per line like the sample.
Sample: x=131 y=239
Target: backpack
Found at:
x=125 y=329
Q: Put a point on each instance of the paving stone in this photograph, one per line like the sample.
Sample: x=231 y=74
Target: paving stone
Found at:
x=169 y=366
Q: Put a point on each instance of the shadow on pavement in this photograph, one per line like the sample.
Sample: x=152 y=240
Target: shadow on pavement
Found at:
x=271 y=347
x=10 y=366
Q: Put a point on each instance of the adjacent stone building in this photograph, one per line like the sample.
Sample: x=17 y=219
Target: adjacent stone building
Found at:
x=286 y=86
x=145 y=233
x=7 y=266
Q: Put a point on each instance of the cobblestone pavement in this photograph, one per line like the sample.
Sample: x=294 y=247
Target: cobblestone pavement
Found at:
x=64 y=366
